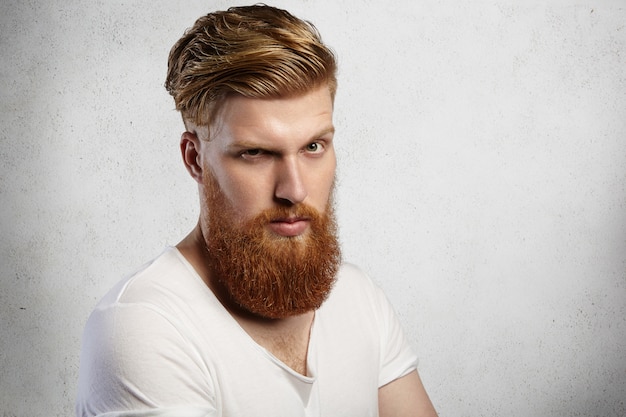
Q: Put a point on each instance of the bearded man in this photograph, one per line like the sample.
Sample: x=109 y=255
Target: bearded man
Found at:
x=253 y=313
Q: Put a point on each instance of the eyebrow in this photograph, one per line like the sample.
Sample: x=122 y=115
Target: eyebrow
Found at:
x=324 y=132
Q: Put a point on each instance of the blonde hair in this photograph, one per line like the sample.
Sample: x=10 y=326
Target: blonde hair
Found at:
x=255 y=51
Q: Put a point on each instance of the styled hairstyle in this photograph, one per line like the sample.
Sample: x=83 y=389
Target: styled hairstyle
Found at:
x=255 y=51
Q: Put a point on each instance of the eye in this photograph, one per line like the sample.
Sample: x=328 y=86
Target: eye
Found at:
x=314 y=147
x=252 y=153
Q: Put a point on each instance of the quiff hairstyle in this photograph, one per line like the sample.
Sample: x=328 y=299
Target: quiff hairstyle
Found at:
x=254 y=51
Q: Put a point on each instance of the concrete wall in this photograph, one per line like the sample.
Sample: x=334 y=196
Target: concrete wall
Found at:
x=482 y=184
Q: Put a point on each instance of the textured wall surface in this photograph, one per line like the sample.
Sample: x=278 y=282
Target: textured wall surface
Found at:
x=482 y=152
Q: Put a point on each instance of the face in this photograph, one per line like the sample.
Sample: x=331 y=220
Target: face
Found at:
x=267 y=219
x=273 y=153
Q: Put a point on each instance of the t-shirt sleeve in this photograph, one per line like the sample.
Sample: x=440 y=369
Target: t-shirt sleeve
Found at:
x=397 y=358
x=137 y=362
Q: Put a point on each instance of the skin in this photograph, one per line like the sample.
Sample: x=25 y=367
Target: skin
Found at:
x=405 y=397
x=269 y=152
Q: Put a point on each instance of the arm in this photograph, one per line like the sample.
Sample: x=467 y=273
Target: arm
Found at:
x=405 y=397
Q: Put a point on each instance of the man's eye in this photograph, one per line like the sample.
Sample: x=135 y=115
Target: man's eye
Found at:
x=314 y=147
x=252 y=153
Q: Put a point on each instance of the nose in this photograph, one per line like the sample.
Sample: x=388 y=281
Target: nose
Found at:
x=290 y=187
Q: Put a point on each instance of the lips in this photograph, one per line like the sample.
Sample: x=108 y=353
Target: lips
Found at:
x=289 y=227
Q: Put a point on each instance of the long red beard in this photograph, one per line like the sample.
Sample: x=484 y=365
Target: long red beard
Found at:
x=265 y=274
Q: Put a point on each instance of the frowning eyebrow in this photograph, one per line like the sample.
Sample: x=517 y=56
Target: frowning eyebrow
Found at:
x=330 y=130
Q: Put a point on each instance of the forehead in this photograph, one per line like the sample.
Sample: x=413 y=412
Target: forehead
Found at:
x=296 y=117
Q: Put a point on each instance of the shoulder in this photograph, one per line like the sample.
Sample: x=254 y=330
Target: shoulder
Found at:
x=159 y=282
x=355 y=283
x=156 y=303
x=359 y=297
x=164 y=298
x=139 y=323
x=352 y=276
x=356 y=294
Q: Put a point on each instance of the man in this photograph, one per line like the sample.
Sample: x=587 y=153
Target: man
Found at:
x=252 y=314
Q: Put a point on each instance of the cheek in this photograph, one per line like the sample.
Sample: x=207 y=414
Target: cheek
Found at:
x=324 y=185
x=246 y=194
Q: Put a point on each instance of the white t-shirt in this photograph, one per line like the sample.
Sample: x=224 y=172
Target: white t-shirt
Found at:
x=161 y=344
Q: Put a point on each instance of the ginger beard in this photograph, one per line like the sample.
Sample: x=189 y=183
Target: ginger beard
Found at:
x=265 y=274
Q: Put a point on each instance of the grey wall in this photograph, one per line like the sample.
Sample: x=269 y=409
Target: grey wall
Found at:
x=482 y=184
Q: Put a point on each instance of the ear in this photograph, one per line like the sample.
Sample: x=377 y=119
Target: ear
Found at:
x=190 y=151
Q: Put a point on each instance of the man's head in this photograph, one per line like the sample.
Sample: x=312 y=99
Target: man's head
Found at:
x=256 y=86
x=253 y=51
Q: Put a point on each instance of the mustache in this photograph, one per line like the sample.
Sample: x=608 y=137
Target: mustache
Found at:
x=284 y=213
